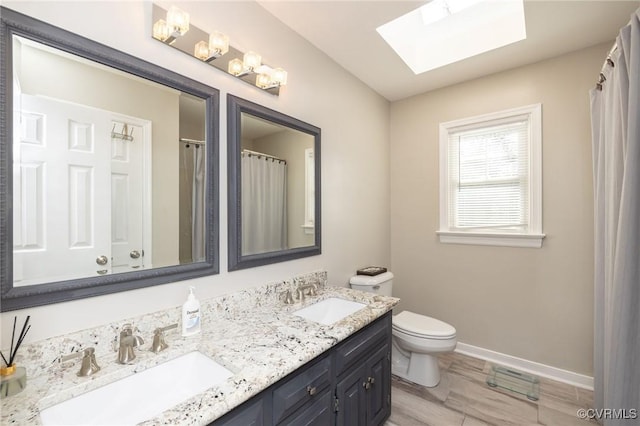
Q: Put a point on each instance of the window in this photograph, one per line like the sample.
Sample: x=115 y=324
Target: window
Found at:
x=491 y=179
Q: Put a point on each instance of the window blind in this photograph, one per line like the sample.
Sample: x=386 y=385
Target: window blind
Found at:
x=488 y=176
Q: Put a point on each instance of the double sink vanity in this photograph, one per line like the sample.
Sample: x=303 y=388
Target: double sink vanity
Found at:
x=322 y=360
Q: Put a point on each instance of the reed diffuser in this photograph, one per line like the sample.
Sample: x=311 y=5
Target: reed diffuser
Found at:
x=14 y=379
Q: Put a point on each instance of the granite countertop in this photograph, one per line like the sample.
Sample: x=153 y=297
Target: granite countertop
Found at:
x=251 y=333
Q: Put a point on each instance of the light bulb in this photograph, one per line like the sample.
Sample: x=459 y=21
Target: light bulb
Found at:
x=279 y=76
x=178 y=21
x=252 y=60
x=236 y=67
x=161 y=30
x=218 y=43
x=201 y=50
x=263 y=81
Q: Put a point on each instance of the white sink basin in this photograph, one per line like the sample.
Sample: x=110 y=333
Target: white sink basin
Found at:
x=330 y=310
x=141 y=396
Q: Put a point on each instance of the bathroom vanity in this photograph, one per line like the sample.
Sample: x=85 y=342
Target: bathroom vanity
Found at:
x=285 y=369
x=350 y=384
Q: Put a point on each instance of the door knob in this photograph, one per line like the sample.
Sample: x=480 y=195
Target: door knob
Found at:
x=134 y=254
x=102 y=260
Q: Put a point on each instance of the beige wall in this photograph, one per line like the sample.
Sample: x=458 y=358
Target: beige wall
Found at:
x=355 y=147
x=534 y=304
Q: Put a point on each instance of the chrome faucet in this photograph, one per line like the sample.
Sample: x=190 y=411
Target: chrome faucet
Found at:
x=312 y=291
x=127 y=342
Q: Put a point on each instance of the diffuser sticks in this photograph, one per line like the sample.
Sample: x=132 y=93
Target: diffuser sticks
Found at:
x=14 y=350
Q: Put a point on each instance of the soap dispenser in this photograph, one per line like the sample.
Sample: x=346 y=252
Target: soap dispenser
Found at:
x=191 y=315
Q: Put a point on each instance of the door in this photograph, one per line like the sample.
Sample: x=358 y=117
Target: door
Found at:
x=126 y=196
x=62 y=197
x=78 y=192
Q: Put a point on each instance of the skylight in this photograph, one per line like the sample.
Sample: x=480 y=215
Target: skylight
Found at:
x=446 y=31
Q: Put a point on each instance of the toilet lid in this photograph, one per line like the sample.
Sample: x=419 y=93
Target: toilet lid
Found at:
x=422 y=325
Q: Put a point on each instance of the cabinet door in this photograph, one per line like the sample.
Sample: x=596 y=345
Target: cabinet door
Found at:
x=378 y=393
x=318 y=413
x=350 y=393
x=251 y=413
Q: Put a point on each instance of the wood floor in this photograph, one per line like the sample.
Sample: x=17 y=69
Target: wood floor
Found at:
x=463 y=399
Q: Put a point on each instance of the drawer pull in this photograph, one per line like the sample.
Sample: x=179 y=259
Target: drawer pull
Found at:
x=366 y=385
x=312 y=390
x=371 y=380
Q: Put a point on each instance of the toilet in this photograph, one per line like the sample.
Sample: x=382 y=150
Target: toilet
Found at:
x=417 y=339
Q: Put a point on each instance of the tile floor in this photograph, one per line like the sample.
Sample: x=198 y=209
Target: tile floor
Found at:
x=463 y=399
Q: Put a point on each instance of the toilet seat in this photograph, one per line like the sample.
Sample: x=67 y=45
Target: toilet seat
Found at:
x=422 y=326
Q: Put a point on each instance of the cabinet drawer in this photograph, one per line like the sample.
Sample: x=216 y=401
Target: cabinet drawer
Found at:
x=304 y=386
x=316 y=413
x=361 y=343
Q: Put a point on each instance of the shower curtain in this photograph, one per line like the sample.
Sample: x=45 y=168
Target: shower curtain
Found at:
x=197 y=202
x=192 y=186
x=264 y=200
x=615 y=118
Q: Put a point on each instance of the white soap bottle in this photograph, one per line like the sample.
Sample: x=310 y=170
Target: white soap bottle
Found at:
x=191 y=315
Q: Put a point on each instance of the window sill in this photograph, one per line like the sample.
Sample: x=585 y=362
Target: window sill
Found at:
x=487 y=239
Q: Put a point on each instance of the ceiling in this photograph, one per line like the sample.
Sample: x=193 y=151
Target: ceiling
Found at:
x=346 y=31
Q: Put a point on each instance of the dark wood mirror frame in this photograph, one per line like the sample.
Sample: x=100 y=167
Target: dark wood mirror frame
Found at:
x=235 y=107
x=12 y=298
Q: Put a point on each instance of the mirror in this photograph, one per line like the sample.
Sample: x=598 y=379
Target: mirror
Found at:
x=107 y=169
x=274 y=186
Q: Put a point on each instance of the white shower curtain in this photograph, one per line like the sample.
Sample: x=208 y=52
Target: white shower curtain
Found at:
x=197 y=205
x=264 y=200
x=615 y=117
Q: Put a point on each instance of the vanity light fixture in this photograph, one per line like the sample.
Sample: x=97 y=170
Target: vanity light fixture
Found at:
x=170 y=28
x=217 y=46
x=176 y=25
x=269 y=78
x=250 y=63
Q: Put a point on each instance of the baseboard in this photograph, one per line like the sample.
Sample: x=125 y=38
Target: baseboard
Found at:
x=527 y=366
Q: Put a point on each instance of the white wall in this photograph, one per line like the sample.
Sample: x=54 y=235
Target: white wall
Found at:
x=355 y=147
x=535 y=304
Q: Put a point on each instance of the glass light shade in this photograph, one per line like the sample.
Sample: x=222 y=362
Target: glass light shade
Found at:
x=161 y=30
x=218 y=43
x=263 y=81
x=178 y=20
x=236 y=67
x=201 y=50
x=252 y=60
x=279 y=76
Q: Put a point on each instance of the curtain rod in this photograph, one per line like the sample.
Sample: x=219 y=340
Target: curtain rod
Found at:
x=192 y=141
x=262 y=154
x=607 y=62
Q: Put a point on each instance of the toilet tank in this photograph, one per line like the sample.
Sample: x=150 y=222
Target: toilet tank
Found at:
x=380 y=284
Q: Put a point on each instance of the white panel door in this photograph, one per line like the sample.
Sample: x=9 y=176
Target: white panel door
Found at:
x=62 y=195
x=127 y=196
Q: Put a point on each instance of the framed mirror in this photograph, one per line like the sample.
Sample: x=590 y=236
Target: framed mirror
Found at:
x=108 y=177
x=274 y=186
